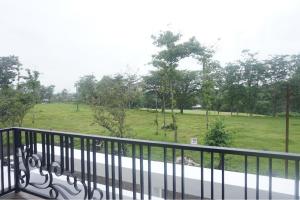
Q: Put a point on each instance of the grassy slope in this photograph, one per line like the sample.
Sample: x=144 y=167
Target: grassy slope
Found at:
x=259 y=132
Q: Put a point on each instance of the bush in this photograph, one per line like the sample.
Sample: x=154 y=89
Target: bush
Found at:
x=218 y=135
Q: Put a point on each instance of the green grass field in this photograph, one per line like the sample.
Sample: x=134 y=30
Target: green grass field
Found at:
x=257 y=132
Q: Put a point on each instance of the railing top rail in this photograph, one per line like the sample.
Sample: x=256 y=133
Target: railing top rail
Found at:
x=225 y=150
x=6 y=129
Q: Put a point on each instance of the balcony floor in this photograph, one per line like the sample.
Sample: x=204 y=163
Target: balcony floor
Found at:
x=20 y=195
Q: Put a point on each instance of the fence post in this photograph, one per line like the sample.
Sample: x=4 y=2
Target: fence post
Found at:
x=17 y=143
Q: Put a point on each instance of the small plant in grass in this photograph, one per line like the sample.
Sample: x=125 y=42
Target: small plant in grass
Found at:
x=218 y=136
x=170 y=126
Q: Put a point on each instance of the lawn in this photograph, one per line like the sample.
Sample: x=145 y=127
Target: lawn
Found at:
x=257 y=132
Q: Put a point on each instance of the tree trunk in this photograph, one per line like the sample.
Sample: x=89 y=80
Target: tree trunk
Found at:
x=181 y=109
x=173 y=114
x=164 y=114
x=206 y=115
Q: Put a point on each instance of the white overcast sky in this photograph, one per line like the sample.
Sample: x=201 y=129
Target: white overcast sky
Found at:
x=67 y=39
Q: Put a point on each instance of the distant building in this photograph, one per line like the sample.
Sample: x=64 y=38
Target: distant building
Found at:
x=197 y=106
x=45 y=101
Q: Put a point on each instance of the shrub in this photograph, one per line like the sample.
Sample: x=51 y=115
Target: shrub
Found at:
x=218 y=136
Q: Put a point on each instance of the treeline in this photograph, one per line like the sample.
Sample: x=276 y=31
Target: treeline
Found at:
x=248 y=85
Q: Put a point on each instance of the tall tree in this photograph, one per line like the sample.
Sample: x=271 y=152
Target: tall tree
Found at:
x=166 y=60
x=278 y=70
x=253 y=76
x=233 y=88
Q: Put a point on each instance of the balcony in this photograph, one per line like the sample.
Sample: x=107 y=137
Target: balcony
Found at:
x=60 y=165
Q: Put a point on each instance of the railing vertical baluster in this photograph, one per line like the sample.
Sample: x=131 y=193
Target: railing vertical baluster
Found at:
x=133 y=172
x=223 y=180
x=27 y=140
x=94 y=164
x=43 y=149
x=246 y=178
x=182 y=174
x=174 y=172
x=297 y=179
x=142 y=170
x=88 y=167
x=202 y=175
x=8 y=157
x=120 y=170
x=149 y=173
x=113 y=179
x=2 y=157
x=106 y=169
x=212 y=175
x=82 y=160
x=165 y=174
x=257 y=177
x=34 y=142
x=67 y=152
x=62 y=157
x=270 y=178
x=52 y=148
x=48 y=151
x=31 y=142
x=72 y=154
x=17 y=143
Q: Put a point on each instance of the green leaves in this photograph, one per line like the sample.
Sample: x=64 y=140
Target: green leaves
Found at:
x=18 y=93
x=218 y=135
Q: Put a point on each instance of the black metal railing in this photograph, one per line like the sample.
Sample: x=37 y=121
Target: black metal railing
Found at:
x=54 y=164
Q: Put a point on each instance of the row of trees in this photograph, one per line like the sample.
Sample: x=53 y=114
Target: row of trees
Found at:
x=249 y=85
x=20 y=90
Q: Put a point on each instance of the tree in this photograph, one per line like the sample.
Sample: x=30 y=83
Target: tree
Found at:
x=253 y=77
x=32 y=84
x=86 y=88
x=110 y=105
x=277 y=73
x=208 y=85
x=187 y=87
x=16 y=100
x=9 y=67
x=233 y=88
x=154 y=90
x=46 y=92
x=295 y=83
x=134 y=90
x=167 y=59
